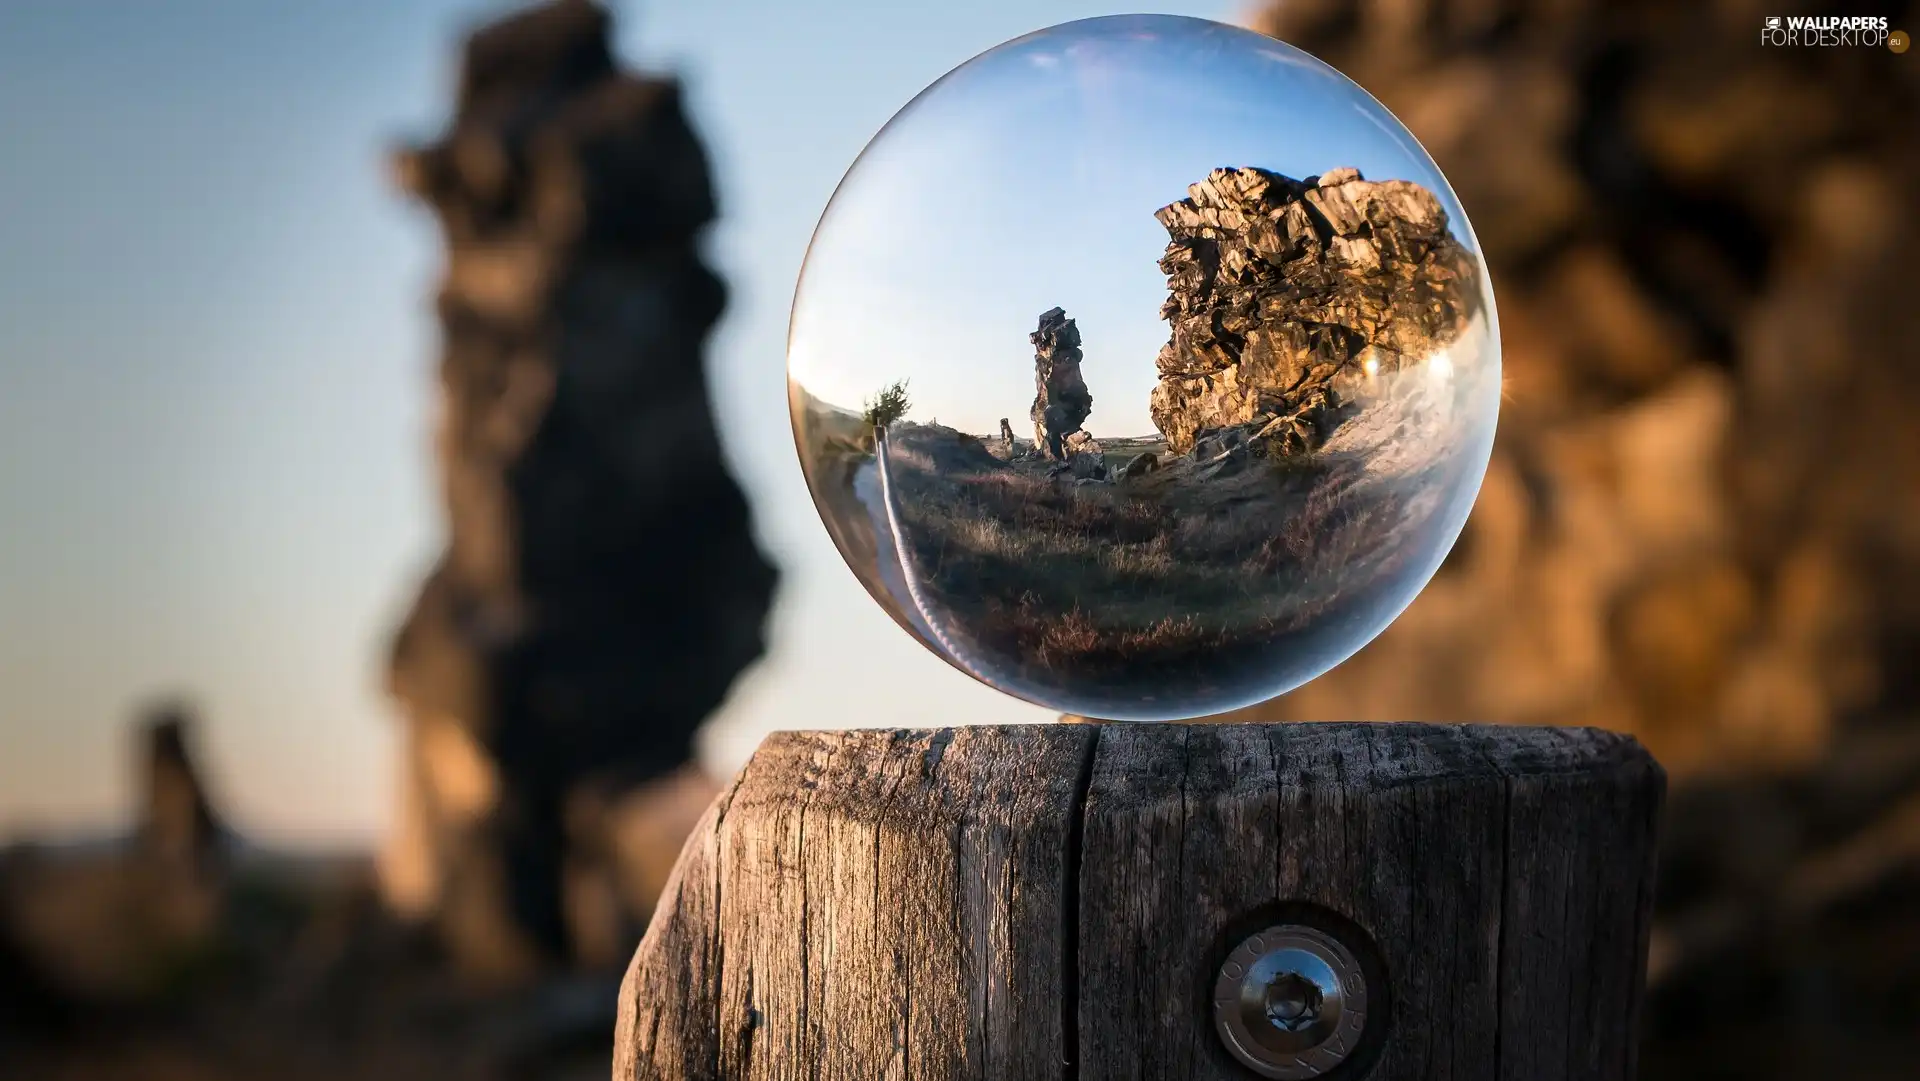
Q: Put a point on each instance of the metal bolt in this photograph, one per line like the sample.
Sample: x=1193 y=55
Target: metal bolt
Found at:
x=1290 y=1002
x=1293 y=1002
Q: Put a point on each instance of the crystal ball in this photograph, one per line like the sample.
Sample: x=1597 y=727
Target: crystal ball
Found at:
x=1143 y=367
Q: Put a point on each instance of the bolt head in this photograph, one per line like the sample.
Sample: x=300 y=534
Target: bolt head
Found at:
x=1290 y=1002
x=1293 y=1001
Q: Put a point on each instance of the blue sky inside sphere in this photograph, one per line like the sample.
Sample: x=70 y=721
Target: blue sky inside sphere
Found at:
x=1028 y=179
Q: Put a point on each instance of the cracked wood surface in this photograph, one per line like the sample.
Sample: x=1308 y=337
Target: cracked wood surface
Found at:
x=1052 y=901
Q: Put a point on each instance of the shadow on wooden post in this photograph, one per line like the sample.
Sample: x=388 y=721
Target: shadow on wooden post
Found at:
x=1057 y=901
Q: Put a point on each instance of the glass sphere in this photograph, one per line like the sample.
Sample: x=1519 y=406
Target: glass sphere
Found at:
x=1144 y=367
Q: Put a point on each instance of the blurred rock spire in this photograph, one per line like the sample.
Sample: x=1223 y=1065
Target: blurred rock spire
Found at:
x=601 y=588
x=177 y=824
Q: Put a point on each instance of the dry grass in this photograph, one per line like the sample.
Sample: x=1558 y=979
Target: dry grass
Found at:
x=1119 y=580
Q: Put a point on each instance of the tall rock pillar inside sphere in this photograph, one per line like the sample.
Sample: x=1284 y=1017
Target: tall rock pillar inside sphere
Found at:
x=601 y=588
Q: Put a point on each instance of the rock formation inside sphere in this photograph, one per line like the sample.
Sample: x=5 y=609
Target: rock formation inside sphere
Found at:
x=1061 y=402
x=1284 y=292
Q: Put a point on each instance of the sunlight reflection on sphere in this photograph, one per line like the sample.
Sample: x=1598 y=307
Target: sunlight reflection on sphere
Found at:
x=1144 y=368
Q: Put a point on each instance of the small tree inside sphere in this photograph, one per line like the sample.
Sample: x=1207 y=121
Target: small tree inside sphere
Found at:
x=887 y=406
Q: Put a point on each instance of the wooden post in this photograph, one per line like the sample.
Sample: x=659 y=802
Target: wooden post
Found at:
x=1058 y=901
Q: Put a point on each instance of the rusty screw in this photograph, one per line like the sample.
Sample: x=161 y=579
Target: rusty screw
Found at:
x=1290 y=1002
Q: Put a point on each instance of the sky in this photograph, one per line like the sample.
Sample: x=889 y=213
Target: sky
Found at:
x=216 y=358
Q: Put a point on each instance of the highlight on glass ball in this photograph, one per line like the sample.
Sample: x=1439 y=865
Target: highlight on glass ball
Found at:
x=1144 y=367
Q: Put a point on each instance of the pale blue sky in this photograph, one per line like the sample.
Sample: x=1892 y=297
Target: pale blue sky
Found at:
x=216 y=356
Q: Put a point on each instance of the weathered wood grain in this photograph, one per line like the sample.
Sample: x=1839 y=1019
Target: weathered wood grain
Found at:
x=1583 y=811
x=673 y=1034
x=1053 y=901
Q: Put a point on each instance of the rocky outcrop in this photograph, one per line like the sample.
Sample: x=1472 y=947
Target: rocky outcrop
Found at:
x=601 y=587
x=1281 y=291
x=1086 y=457
x=1061 y=402
x=1140 y=466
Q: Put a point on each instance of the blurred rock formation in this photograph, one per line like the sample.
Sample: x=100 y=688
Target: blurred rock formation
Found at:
x=177 y=950
x=179 y=825
x=123 y=917
x=601 y=587
x=1698 y=525
x=1283 y=291
x=1702 y=520
x=1061 y=402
